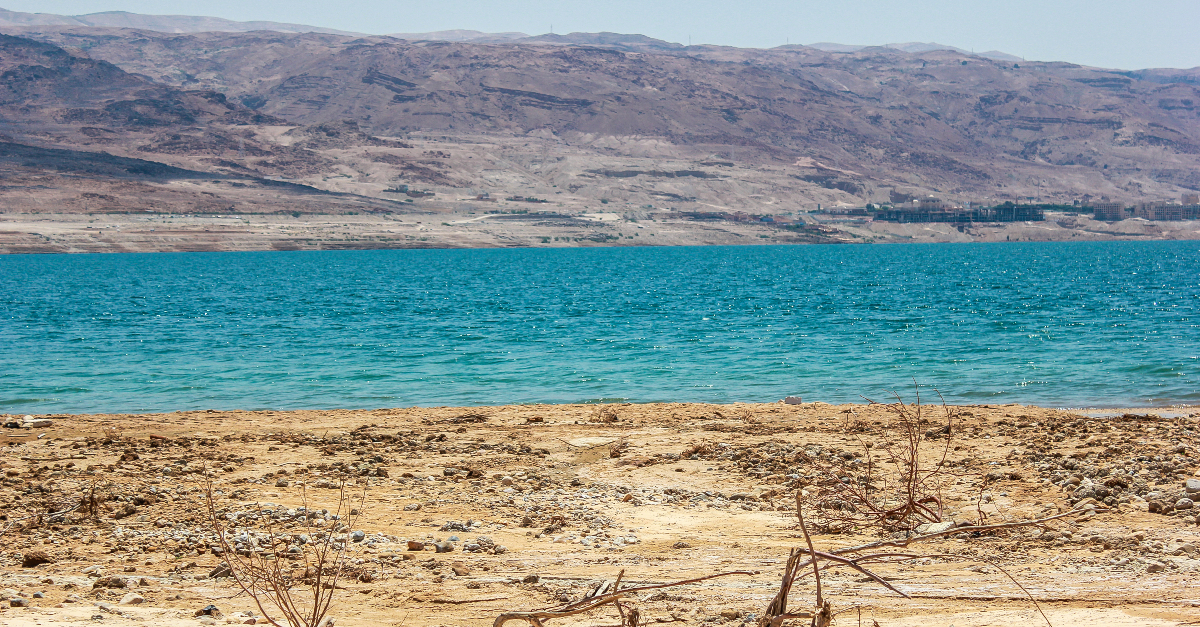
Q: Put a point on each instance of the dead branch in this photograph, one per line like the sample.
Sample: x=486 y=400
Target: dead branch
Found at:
x=601 y=596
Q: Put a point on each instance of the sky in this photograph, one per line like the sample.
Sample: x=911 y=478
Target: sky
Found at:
x=1114 y=33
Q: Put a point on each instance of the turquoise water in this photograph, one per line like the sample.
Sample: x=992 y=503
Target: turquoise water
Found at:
x=1058 y=324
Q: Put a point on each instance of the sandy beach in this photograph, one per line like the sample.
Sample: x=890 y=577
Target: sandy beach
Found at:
x=540 y=503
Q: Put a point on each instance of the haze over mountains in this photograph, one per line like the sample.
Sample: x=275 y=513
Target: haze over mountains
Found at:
x=581 y=119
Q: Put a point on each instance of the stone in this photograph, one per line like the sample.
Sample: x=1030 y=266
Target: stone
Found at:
x=500 y=549
x=18 y=602
x=935 y=527
x=1155 y=567
x=414 y=545
x=460 y=569
x=208 y=610
x=530 y=579
x=282 y=483
x=1184 y=503
x=681 y=545
x=35 y=558
x=1192 y=486
x=132 y=598
x=109 y=582
x=36 y=423
x=792 y=400
x=358 y=535
x=443 y=547
x=220 y=571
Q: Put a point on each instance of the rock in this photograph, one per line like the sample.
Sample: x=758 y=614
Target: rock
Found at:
x=935 y=527
x=109 y=582
x=36 y=423
x=18 y=602
x=132 y=598
x=681 y=545
x=531 y=579
x=527 y=521
x=792 y=400
x=35 y=558
x=38 y=595
x=220 y=571
x=443 y=547
x=460 y=569
x=358 y=535
x=500 y=549
x=1184 y=503
x=414 y=545
x=506 y=481
x=1155 y=567
x=282 y=483
x=208 y=610
x=93 y=571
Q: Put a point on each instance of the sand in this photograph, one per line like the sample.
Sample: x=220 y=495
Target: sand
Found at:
x=648 y=512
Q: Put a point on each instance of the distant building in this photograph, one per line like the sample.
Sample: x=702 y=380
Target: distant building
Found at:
x=1190 y=199
x=1159 y=211
x=1109 y=211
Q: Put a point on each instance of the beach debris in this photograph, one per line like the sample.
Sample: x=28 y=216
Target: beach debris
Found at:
x=793 y=400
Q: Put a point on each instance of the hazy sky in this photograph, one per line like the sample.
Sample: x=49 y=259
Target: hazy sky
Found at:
x=1113 y=33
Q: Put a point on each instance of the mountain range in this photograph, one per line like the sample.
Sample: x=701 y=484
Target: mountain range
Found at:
x=584 y=118
x=194 y=24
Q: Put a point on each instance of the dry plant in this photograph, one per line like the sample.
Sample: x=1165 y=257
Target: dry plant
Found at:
x=52 y=510
x=259 y=563
x=605 y=415
x=807 y=560
x=895 y=483
x=600 y=596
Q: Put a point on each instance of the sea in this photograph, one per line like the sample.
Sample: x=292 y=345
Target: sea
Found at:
x=1080 y=325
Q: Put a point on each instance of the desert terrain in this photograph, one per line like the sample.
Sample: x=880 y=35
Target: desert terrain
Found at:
x=325 y=140
x=468 y=513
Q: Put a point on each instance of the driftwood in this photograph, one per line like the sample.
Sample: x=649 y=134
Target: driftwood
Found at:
x=605 y=594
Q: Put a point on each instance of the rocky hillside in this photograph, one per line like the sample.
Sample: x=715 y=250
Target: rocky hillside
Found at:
x=873 y=121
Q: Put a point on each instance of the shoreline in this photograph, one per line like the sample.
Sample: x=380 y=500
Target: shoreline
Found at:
x=1163 y=411
x=45 y=233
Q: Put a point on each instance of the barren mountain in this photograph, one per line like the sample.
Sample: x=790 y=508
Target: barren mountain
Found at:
x=164 y=23
x=874 y=120
x=572 y=142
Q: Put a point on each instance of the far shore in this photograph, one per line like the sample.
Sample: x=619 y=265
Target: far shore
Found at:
x=448 y=227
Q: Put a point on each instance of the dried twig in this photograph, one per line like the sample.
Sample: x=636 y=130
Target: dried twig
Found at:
x=601 y=596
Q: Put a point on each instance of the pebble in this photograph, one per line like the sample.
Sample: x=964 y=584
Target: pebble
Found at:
x=414 y=545
x=132 y=598
x=1184 y=503
x=18 y=602
x=1155 y=567
x=792 y=400
x=358 y=536
x=443 y=547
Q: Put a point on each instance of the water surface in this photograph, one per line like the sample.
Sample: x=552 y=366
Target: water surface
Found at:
x=1102 y=324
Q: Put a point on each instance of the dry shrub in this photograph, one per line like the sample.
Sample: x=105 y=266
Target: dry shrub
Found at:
x=895 y=483
x=807 y=560
x=698 y=448
x=302 y=594
x=605 y=415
